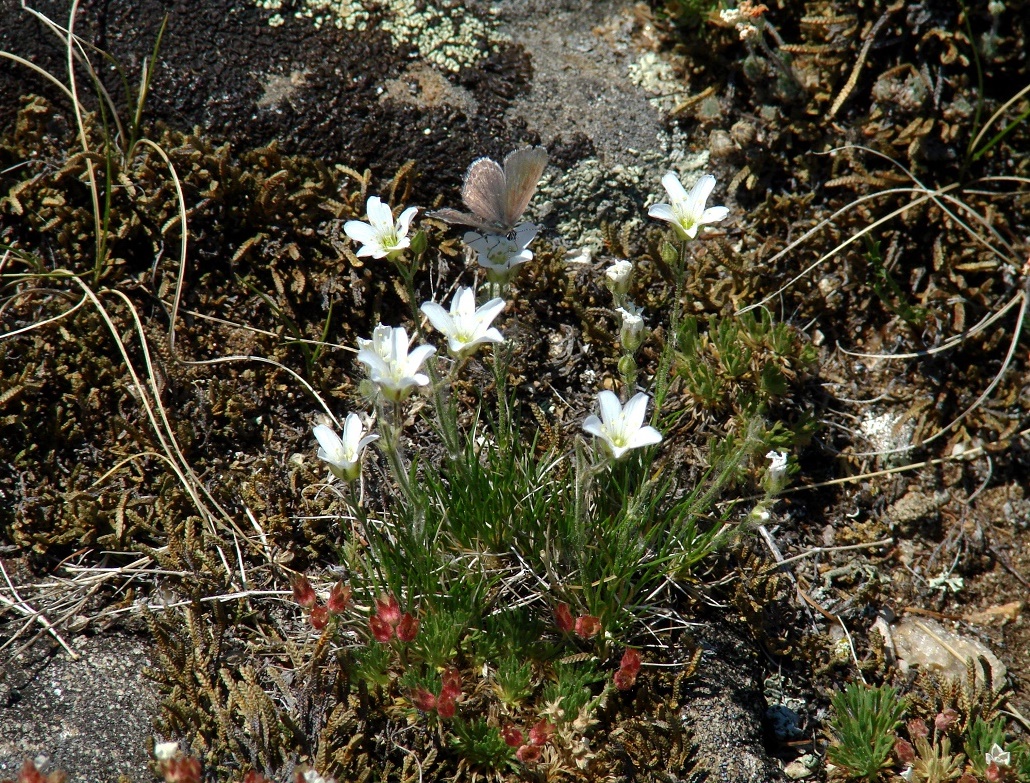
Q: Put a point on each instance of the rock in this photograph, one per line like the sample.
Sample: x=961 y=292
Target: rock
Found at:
x=926 y=643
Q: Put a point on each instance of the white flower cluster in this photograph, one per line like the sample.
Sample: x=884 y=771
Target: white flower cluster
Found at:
x=396 y=369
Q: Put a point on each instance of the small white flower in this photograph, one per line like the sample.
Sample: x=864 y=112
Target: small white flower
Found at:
x=390 y=366
x=380 y=342
x=165 y=751
x=380 y=236
x=311 y=776
x=466 y=327
x=908 y=773
x=622 y=428
x=998 y=756
x=687 y=212
x=777 y=467
x=343 y=454
x=632 y=332
x=498 y=254
x=618 y=278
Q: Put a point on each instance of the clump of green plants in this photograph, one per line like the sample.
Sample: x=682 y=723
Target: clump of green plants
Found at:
x=953 y=732
x=863 y=725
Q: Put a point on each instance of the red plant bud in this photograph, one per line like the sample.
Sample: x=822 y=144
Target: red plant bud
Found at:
x=624 y=680
x=904 y=751
x=319 y=618
x=511 y=735
x=253 y=776
x=184 y=769
x=339 y=598
x=945 y=719
x=388 y=609
x=917 y=728
x=967 y=778
x=993 y=773
x=424 y=700
x=303 y=592
x=382 y=631
x=527 y=754
x=563 y=617
x=587 y=626
x=29 y=773
x=451 y=684
x=445 y=706
x=630 y=663
x=541 y=732
x=407 y=628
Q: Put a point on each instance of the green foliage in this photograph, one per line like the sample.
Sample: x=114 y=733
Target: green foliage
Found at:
x=887 y=289
x=513 y=681
x=481 y=746
x=573 y=686
x=981 y=736
x=740 y=363
x=689 y=15
x=863 y=724
x=372 y=664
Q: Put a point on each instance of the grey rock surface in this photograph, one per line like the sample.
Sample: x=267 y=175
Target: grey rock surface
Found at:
x=90 y=717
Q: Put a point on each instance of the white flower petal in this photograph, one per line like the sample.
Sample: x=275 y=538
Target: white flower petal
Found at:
x=611 y=408
x=700 y=192
x=360 y=232
x=592 y=424
x=674 y=187
x=645 y=436
x=331 y=446
x=379 y=214
x=488 y=311
x=662 y=212
x=714 y=214
x=634 y=411
x=404 y=221
x=438 y=317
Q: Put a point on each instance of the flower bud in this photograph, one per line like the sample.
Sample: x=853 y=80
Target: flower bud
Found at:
x=945 y=719
x=319 y=618
x=541 y=732
x=624 y=680
x=563 y=617
x=527 y=754
x=445 y=706
x=382 y=631
x=618 y=277
x=423 y=700
x=407 y=628
x=388 y=609
x=587 y=626
x=631 y=334
x=630 y=662
x=904 y=751
x=303 y=592
x=339 y=598
x=511 y=735
x=917 y=728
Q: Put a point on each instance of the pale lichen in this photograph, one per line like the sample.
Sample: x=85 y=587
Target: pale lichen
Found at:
x=443 y=32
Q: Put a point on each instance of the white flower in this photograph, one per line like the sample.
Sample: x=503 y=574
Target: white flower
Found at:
x=311 y=776
x=776 y=479
x=687 y=213
x=380 y=342
x=390 y=366
x=380 y=236
x=165 y=751
x=498 y=254
x=632 y=332
x=466 y=327
x=621 y=428
x=998 y=756
x=343 y=454
x=618 y=278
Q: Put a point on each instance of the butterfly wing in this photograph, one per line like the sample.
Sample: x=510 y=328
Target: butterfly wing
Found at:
x=454 y=217
x=522 y=171
x=483 y=191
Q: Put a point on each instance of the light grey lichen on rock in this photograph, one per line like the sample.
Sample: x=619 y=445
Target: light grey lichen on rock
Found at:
x=443 y=32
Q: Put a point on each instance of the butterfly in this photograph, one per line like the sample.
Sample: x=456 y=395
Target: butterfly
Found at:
x=498 y=196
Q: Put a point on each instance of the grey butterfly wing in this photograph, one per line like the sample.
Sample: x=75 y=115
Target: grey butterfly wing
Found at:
x=454 y=217
x=483 y=191
x=522 y=171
